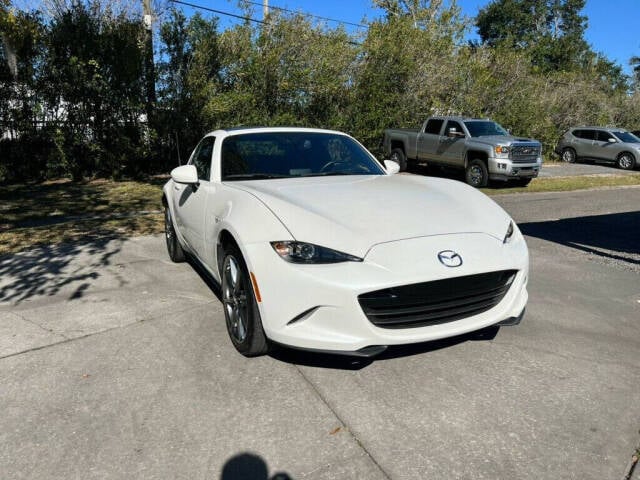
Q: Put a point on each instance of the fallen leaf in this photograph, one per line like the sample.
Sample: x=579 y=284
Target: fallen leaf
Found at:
x=335 y=430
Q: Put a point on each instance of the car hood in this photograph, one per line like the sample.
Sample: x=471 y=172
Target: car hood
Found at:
x=353 y=213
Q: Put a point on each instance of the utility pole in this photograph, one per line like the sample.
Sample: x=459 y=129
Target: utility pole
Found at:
x=265 y=10
x=149 y=68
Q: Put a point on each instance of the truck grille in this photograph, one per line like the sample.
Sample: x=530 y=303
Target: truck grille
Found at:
x=525 y=153
x=437 y=302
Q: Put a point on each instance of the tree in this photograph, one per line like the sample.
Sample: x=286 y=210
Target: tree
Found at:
x=635 y=64
x=552 y=31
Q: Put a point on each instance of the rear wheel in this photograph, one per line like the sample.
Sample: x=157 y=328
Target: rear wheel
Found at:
x=626 y=161
x=176 y=253
x=240 y=307
x=398 y=156
x=477 y=174
x=569 y=155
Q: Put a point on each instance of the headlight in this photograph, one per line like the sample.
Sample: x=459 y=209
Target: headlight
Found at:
x=509 y=233
x=301 y=252
x=502 y=151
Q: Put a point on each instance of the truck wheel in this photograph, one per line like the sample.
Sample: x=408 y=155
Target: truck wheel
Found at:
x=398 y=156
x=477 y=174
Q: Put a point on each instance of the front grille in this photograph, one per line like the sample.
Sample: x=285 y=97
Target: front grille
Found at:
x=525 y=153
x=437 y=302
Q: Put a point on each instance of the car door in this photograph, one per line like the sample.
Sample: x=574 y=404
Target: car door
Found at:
x=451 y=147
x=428 y=140
x=604 y=148
x=190 y=200
x=585 y=143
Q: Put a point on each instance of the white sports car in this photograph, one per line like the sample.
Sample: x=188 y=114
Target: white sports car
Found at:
x=317 y=246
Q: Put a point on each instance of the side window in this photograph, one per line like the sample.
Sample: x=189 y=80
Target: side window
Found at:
x=433 y=126
x=604 y=136
x=452 y=124
x=584 y=134
x=201 y=158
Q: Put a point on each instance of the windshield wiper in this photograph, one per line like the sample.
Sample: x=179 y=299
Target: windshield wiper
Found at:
x=254 y=176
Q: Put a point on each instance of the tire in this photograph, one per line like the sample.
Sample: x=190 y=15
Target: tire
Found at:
x=477 y=174
x=176 y=253
x=569 y=155
x=626 y=161
x=240 y=307
x=522 y=182
x=398 y=156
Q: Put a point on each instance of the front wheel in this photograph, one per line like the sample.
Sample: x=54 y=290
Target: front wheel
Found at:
x=477 y=174
x=626 y=161
x=176 y=253
x=398 y=156
x=240 y=307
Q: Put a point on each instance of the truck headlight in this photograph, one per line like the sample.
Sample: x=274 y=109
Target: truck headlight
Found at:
x=502 y=151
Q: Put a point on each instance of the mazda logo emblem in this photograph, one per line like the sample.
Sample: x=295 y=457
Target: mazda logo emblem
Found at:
x=449 y=258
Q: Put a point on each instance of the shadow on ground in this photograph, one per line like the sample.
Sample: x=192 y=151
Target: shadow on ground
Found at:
x=45 y=270
x=249 y=466
x=614 y=236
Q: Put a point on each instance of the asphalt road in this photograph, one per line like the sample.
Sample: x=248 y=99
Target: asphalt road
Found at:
x=115 y=363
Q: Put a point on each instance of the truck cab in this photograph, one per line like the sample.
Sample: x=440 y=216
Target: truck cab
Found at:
x=481 y=147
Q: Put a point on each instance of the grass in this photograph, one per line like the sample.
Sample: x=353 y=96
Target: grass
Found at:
x=62 y=211
x=565 y=184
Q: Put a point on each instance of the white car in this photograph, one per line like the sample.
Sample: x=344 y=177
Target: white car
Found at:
x=317 y=246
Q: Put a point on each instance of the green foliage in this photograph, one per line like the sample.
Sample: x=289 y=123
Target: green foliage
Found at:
x=75 y=103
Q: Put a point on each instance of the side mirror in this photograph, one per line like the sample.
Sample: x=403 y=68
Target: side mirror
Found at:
x=391 y=167
x=611 y=140
x=453 y=133
x=185 y=174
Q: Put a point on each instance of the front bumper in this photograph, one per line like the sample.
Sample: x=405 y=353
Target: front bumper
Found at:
x=316 y=306
x=504 y=169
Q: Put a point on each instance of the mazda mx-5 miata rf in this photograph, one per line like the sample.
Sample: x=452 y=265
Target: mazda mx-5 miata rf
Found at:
x=318 y=246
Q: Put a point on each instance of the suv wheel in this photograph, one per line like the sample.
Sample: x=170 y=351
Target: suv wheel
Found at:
x=626 y=161
x=569 y=155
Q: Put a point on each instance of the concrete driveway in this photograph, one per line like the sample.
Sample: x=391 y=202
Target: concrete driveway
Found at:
x=115 y=363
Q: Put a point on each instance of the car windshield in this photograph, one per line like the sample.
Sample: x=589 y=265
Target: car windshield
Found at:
x=484 y=128
x=265 y=155
x=626 y=137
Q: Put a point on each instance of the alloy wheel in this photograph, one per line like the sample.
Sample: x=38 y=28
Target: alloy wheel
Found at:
x=234 y=298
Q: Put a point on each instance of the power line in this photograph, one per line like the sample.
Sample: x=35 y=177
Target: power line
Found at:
x=306 y=14
x=250 y=19
x=242 y=17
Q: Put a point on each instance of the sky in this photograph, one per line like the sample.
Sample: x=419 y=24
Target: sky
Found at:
x=612 y=30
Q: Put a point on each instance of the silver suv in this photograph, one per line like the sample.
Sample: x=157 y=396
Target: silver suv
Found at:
x=598 y=143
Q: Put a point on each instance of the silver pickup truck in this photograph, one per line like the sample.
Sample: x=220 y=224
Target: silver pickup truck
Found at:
x=482 y=148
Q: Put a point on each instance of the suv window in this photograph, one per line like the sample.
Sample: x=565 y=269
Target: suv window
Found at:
x=585 y=134
x=604 y=136
x=201 y=158
x=433 y=126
